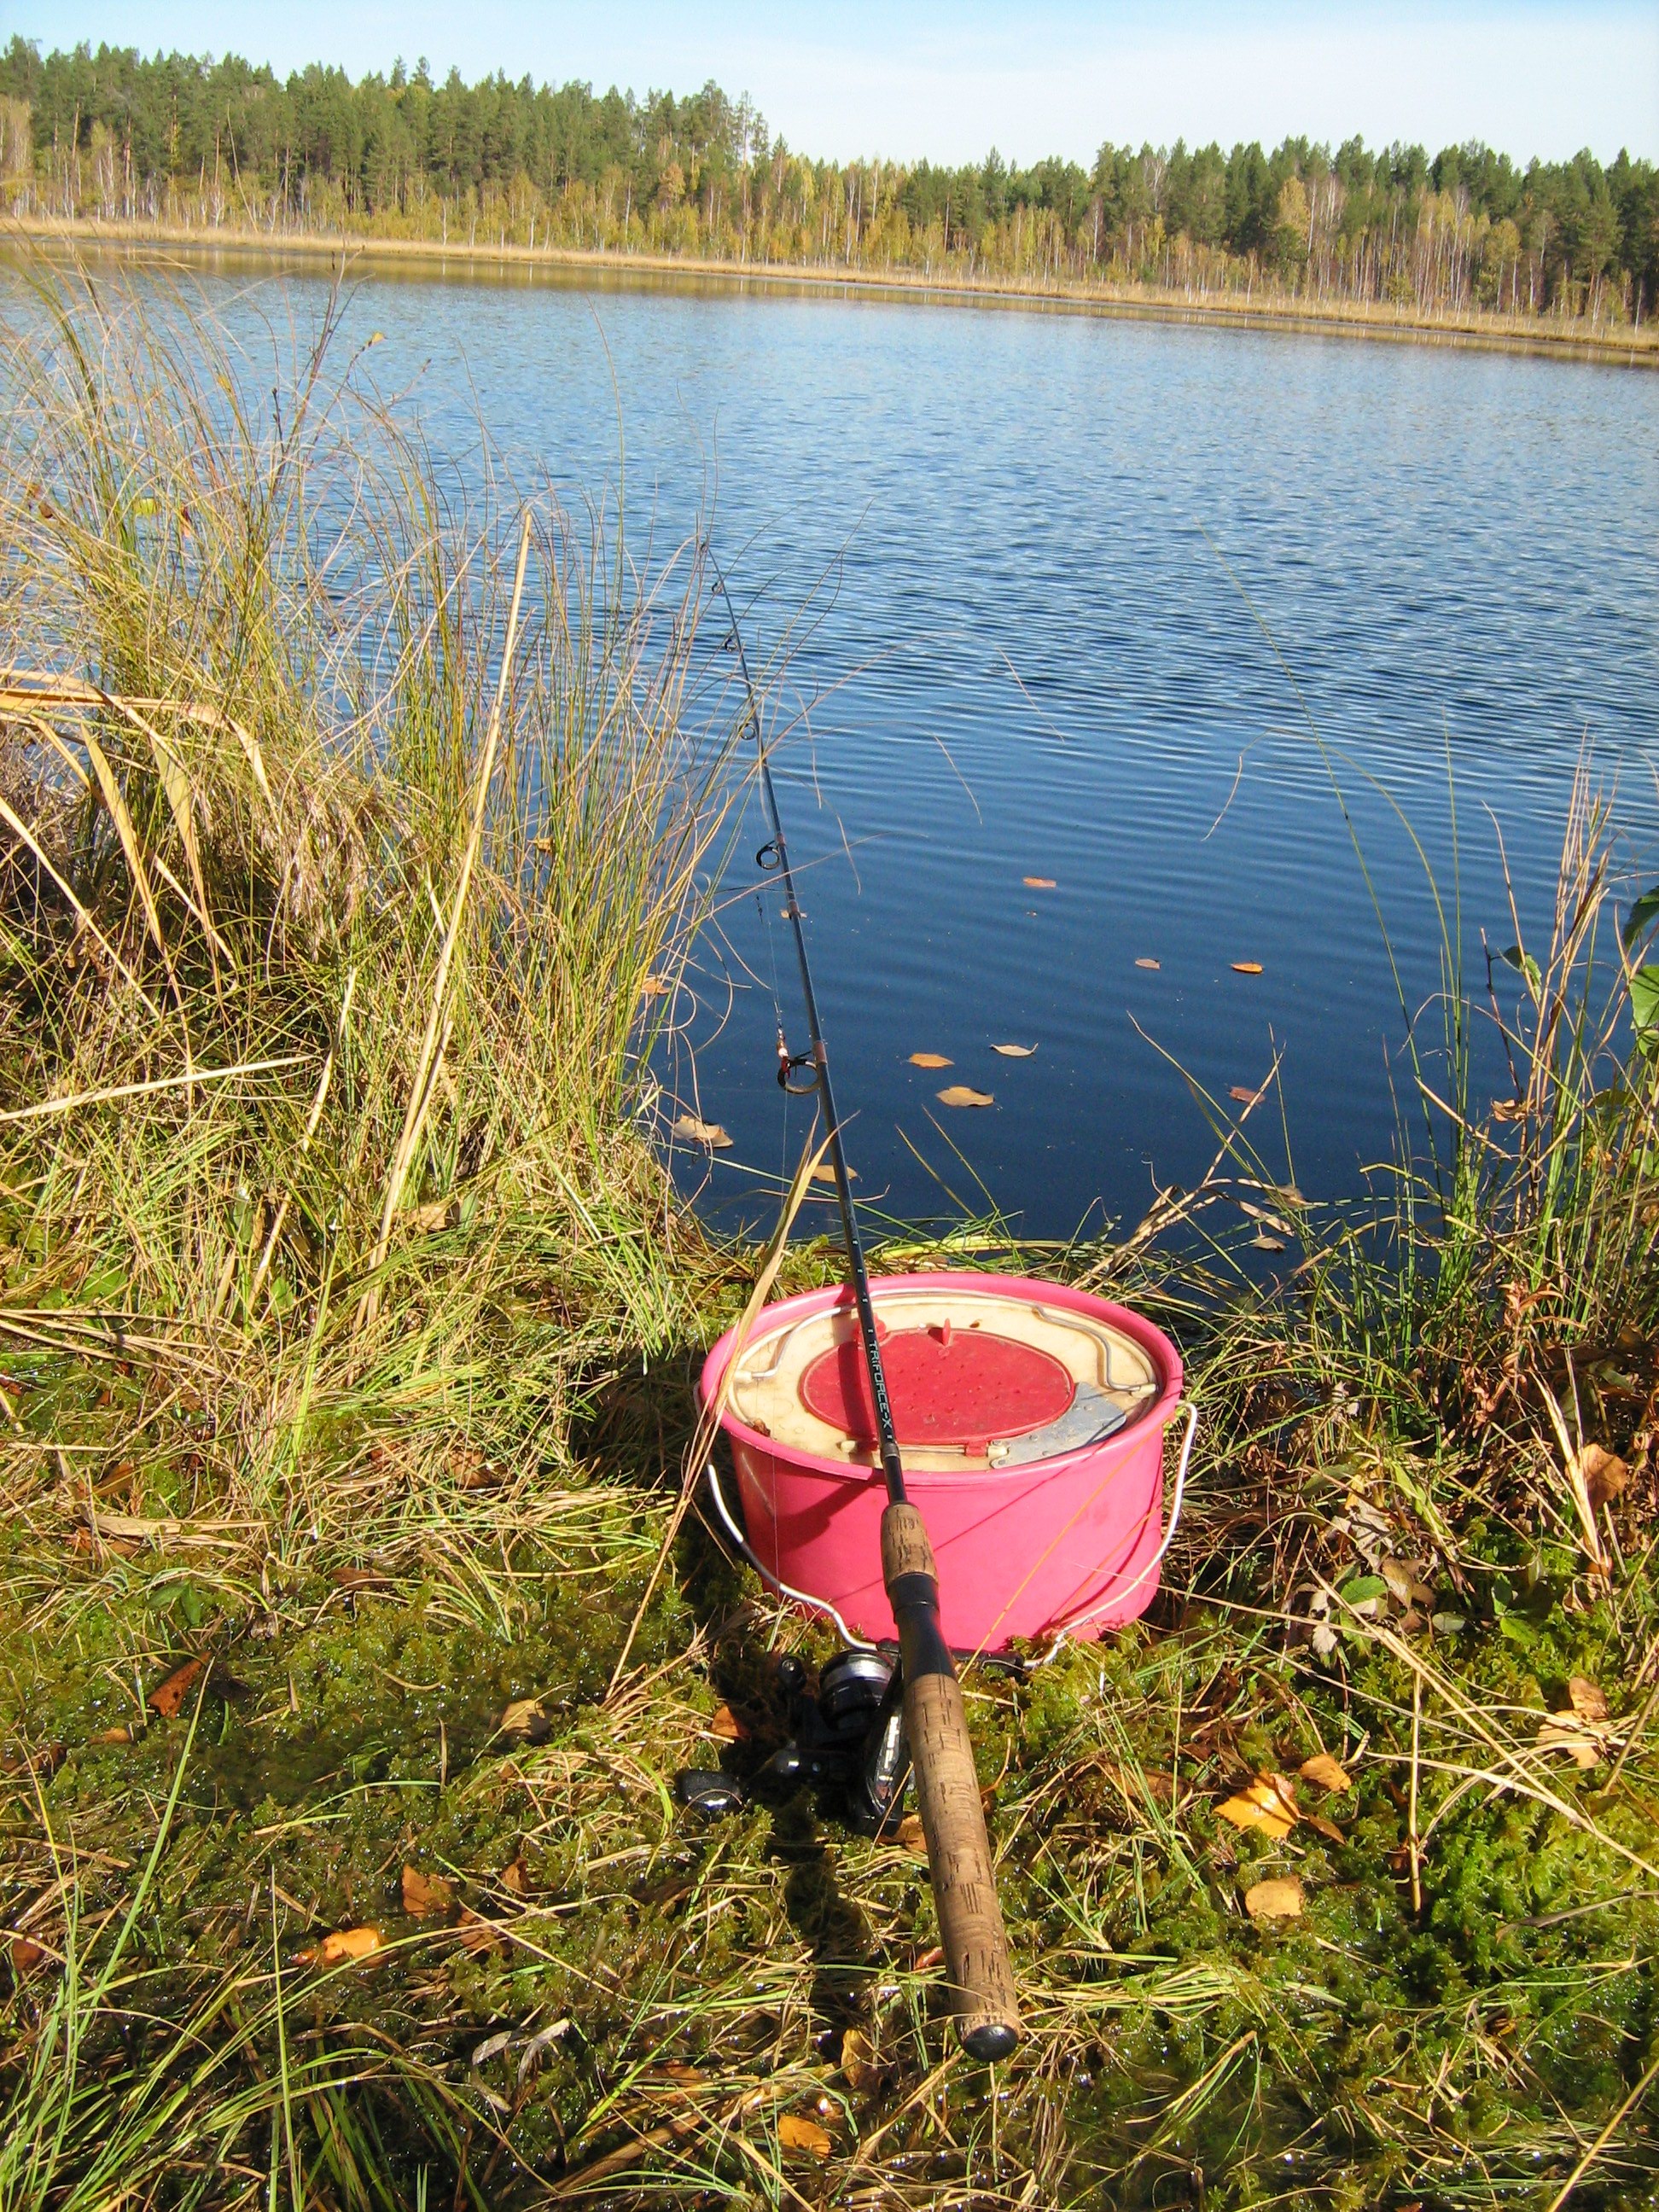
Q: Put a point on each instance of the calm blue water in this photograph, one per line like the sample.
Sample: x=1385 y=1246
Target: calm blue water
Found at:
x=1077 y=593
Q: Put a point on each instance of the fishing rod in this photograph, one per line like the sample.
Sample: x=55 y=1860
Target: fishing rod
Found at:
x=974 y=1943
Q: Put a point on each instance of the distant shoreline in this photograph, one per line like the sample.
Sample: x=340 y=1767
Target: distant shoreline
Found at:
x=1637 y=349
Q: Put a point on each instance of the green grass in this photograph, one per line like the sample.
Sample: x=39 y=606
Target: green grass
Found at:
x=364 y=1374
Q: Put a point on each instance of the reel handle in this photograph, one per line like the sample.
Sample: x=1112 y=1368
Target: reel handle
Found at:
x=975 y=1944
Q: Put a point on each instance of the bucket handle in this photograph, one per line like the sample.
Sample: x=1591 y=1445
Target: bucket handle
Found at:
x=782 y=1589
x=1119 y=1592
x=1058 y=1636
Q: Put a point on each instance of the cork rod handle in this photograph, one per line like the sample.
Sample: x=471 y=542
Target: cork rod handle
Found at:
x=975 y=1946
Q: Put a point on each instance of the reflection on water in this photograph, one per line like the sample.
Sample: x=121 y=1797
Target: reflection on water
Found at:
x=1104 y=603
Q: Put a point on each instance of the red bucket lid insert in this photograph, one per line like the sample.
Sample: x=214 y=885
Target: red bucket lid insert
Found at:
x=946 y=1386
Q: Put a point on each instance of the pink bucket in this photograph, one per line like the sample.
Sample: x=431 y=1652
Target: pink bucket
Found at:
x=1067 y=1543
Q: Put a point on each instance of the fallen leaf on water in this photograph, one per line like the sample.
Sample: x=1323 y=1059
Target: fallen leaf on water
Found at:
x=1038 y=883
x=703 y=1132
x=1509 y=1110
x=167 y=1697
x=1327 y=1771
x=827 y=1174
x=858 y=2062
x=797 y=2133
x=525 y=1720
x=478 y=1935
x=1244 y=1096
x=340 y=1948
x=1015 y=1051
x=1604 y=1473
x=1247 y=967
x=1267 y=1220
x=930 y=1060
x=1149 y=964
x=963 y=1094
x=425 y=1894
x=1263 y=1243
x=1268 y=1803
x=725 y=1725
x=1280 y=1899
x=654 y=986
x=1587 y=1702
x=25 y=1954
x=910 y=1837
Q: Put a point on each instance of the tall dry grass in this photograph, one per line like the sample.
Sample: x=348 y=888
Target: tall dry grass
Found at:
x=331 y=907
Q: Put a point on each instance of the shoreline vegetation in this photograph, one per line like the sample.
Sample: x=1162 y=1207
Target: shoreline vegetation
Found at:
x=1576 y=339
x=1465 y=241
x=353 y=827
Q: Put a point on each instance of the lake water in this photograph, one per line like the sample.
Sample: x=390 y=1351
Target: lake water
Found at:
x=1081 y=591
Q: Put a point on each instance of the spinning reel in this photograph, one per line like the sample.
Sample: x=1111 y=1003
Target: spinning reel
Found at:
x=847 y=1739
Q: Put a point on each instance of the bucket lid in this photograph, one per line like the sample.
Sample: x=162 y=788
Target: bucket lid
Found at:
x=976 y=1378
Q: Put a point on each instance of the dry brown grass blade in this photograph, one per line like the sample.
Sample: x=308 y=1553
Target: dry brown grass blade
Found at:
x=311 y=1121
x=116 y=1091
x=15 y=823
x=114 y=800
x=709 y=1420
x=421 y=1088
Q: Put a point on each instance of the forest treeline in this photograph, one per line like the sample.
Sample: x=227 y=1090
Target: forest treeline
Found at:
x=191 y=142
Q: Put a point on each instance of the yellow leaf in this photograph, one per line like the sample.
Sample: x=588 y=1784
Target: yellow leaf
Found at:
x=424 y=1894
x=1245 y=1097
x=1604 y=1473
x=1509 y=1110
x=1326 y=1772
x=340 y=1948
x=1274 y=1900
x=515 y=1876
x=725 y=1725
x=477 y=1933
x=858 y=2062
x=1268 y=1803
x=696 y=1132
x=1566 y=1732
x=827 y=1174
x=167 y=1697
x=930 y=1060
x=1014 y=1051
x=525 y=1720
x=1038 y=883
x=961 y=1093
x=796 y=2132
x=1247 y=967
x=1588 y=1701
x=654 y=986
x=1149 y=964
x=910 y=1836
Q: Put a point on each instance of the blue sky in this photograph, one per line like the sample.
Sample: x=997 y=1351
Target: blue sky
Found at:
x=947 y=81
